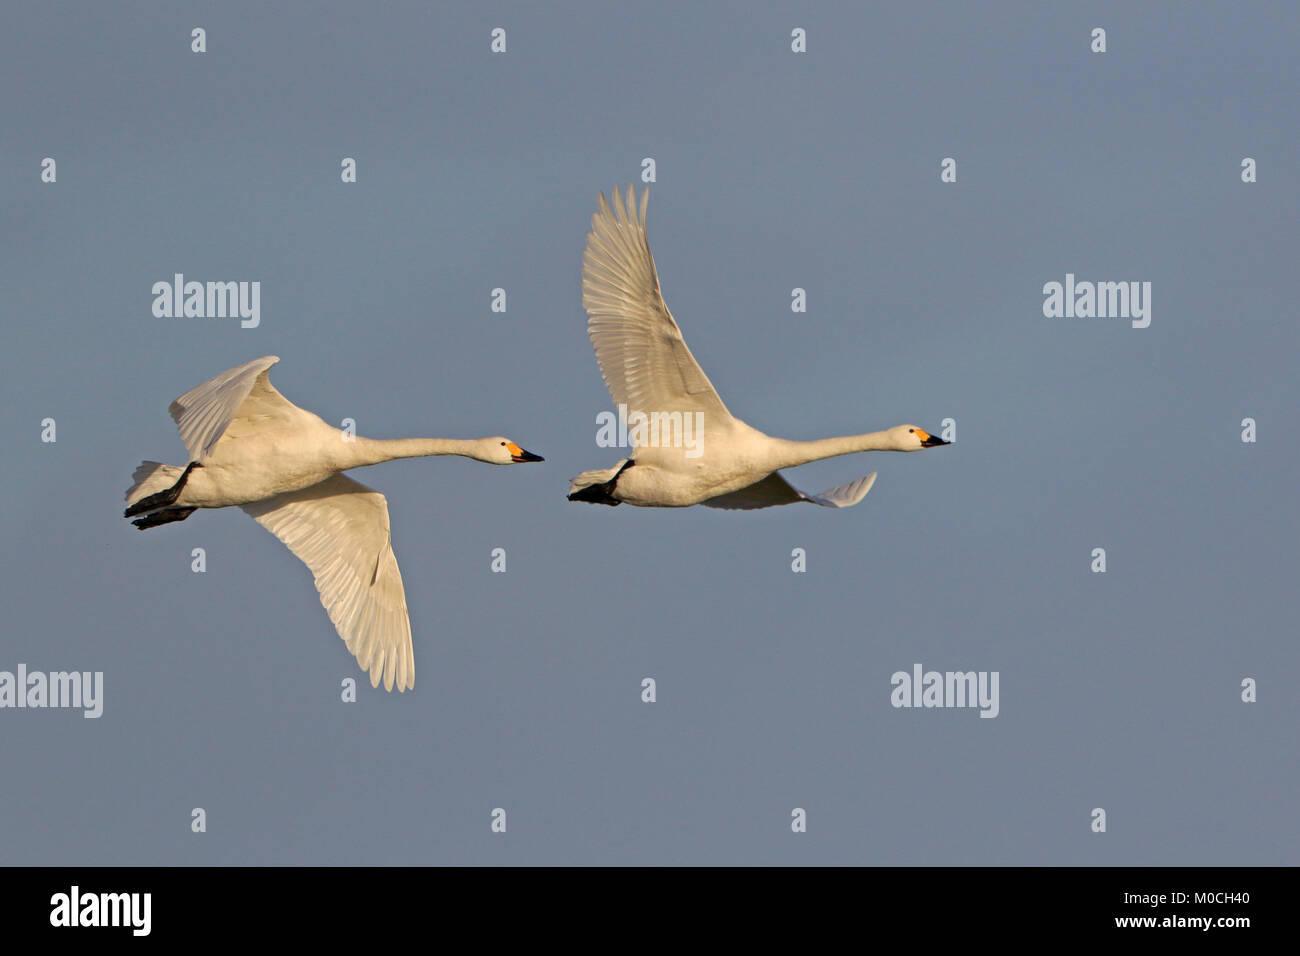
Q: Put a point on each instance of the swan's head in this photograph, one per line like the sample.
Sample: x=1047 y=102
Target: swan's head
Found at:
x=911 y=438
x=502 y=451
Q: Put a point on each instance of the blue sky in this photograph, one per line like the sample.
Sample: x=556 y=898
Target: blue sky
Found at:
x=774 y=170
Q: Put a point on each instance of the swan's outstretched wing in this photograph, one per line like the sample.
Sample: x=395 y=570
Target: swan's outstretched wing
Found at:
x=204 y=412
x=775 y=490
x=339 y=529
x=843 y=496
x=642 y=356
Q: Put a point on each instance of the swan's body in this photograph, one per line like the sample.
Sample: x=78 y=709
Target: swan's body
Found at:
x=250 y=446
x=649 y=369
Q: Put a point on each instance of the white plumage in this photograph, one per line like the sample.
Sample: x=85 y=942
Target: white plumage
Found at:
x=649 y=369
x=250 y=446
x=339 y=529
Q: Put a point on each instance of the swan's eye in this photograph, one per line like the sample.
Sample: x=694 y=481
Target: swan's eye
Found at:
x=911 y=431
x=503 y=444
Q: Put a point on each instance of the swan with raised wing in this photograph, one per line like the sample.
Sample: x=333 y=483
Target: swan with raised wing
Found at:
x=250 y=446
x=687 y=448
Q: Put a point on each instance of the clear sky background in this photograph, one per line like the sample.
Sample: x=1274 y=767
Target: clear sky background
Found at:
x=774 y=171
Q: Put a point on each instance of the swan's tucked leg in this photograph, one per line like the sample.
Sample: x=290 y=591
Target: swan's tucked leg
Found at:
x=163 y=498
x=596 y=487
x=165 y=516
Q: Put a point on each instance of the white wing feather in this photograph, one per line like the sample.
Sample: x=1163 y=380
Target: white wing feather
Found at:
x=844 y=496
x=339 y=529
x=642 y=355
x=775 y=490
x=204 y=412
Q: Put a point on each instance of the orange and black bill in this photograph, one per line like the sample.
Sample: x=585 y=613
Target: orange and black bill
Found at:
x=518 y=455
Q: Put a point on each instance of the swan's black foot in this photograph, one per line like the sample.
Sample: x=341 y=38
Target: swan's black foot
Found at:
x=596 y=494
x=165 y=516
x=163 y=498
x=603 y=493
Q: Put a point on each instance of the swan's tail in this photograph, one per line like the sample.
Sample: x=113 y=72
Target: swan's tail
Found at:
x=596 y=486
x=154 y=494
x=149 y=478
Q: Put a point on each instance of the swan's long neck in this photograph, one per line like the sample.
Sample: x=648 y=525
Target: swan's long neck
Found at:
x=371 y=451
x=792 y=453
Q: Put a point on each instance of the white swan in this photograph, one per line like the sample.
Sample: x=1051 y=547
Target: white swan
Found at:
x=252 y=447
x=649 y=369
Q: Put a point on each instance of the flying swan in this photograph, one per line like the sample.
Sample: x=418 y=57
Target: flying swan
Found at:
x=250 y=446
x=700 y=453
